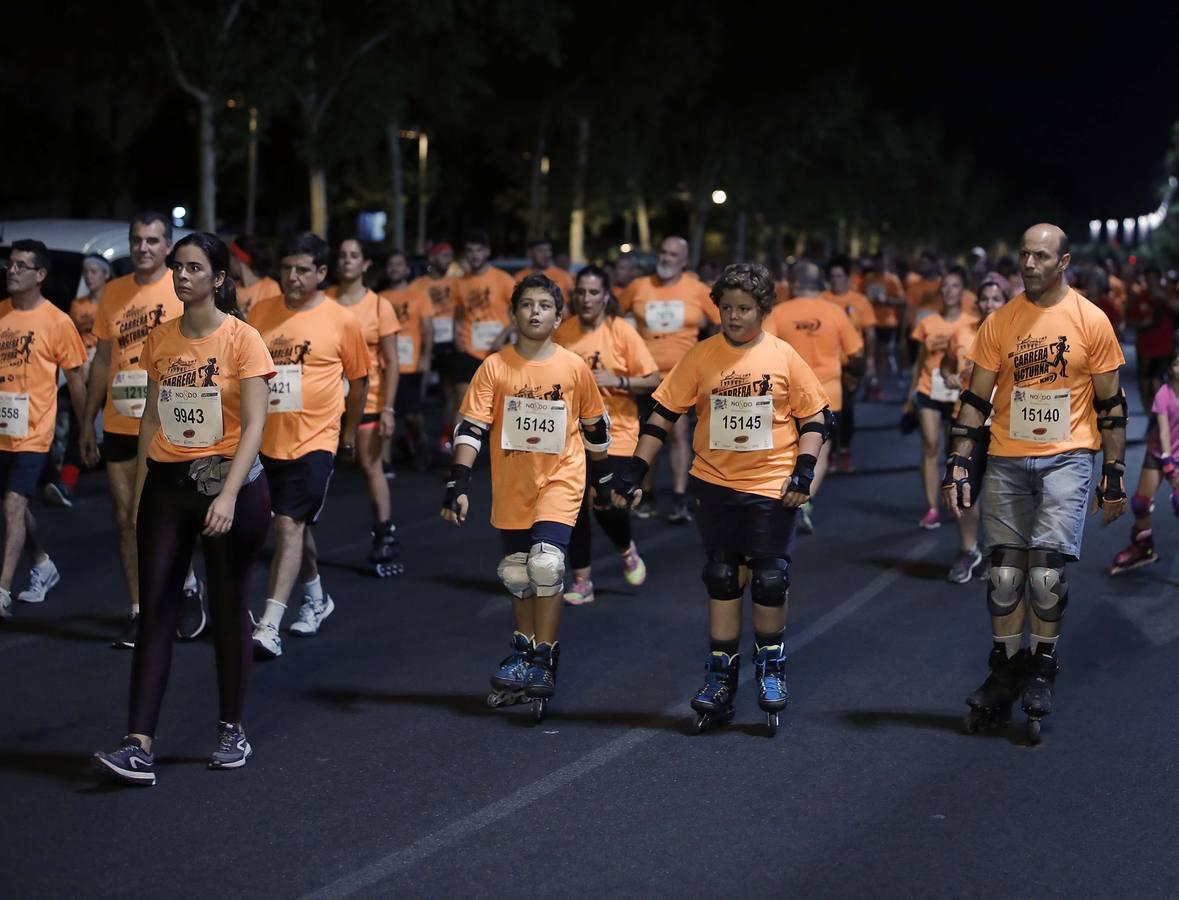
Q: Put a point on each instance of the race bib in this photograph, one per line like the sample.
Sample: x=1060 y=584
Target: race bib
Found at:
x=286 y=389
x=191 y=417
x=664 y=316
x=443 y=330
x=1042 y=417
x=14 y=414
x=483 y=335
x=741 y=423
x=939 y=391
x=405 y=351
x=534 y=426
x=129 y=392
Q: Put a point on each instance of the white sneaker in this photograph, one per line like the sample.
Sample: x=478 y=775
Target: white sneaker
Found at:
x=42 y=577
x=311 y=615
x=5 y=604
x=267 y=643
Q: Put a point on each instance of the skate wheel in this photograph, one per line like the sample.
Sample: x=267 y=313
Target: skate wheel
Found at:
x=539 y=708
x=772 y=723
x=701 y=725
x=1033 y=731
x=494 y=700
x=970 y=722
x=388 y=570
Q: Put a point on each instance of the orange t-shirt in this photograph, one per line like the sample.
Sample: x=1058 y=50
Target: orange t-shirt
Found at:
x=970 y=302
x=923 y=296
x=377 y=321
x=527 y=487
x=937 y=335
x=669 y=316
x=781 y=292
x=482 y=309
x=876 y=288
x=232 y=352
x=856 y=305
x=563 y=279
x=327 y=345
x=768 y=367
x=822 y=334
x=34 y=344
x=127 y=313
x=82 y=312
x=616 y=347
x=412 y=307
x=261 y=289
x=1047 y=350
x=441 y=293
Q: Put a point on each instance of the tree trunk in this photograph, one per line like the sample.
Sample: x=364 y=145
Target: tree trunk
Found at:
x=207 y=143
x=642 y=222
x=393 y=135
x=319 y=202
x=535 y=210
x=577 y=217
x=423 y=195
x=252 y=173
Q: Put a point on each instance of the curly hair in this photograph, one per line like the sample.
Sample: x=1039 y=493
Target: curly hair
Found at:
x=753 y=279
x=542 y=281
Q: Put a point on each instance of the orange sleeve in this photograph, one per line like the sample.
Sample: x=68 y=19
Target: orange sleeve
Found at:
x=1105 y=353
x=353 y=350
x=71 y=352
x=387 y=321
x=849 y=337
x=806 y=393
x=639 y=361
x=711 y=310
x=679 y=390
x=919 y=333
x=627 y=299
x=985 y=349
x=147 y=356
x=479 y=402
x=253 y=358
x=770 y=324
x=424 y=305
x=99 y=330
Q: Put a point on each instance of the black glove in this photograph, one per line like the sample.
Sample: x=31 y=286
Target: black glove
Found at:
x=628 y=478
x=804 y=474
x=1112 y=489
x=954 y=461
x=456 y=486
x=601 y=475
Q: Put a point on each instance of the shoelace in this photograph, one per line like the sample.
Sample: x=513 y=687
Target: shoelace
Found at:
x=36 y=579
x=227 y=741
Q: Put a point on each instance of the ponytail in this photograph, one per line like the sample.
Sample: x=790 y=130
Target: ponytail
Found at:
x=225 y=299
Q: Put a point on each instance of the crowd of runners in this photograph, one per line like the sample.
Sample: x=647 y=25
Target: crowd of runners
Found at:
x=221 y=383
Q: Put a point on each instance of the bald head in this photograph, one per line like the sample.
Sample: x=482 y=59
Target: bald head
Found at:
x=806 y=279
x=1043 y=258
x=673 y=258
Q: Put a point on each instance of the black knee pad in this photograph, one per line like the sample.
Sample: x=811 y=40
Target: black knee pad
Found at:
x=1047 y=587
x=721 y=575
x=770 y=581
x=1006 y=584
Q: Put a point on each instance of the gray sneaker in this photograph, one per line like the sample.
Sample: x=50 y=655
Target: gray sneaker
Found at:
x=232 y=748
x=963 y=569
x=311 y=615
x=42 y=577
x=130 y=763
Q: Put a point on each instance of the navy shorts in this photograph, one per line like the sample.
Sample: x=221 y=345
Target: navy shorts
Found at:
x=521 y=541
x=21 y=471
x=409 y=394
x=119 y=448
x=298 y=487
x=749 y=525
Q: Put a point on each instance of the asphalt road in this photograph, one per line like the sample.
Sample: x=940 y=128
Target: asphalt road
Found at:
x=379 y=771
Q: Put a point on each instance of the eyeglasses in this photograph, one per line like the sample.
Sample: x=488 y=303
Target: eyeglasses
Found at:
x=18 y=266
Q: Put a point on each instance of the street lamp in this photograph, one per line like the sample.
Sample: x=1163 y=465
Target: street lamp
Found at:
x=1111 y=229
x=719 y=197
x=1128 y=229
x=178 y=215
x=1095 y=230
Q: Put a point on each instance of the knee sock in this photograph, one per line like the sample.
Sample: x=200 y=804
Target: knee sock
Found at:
x=769 y=640
x=732 y=648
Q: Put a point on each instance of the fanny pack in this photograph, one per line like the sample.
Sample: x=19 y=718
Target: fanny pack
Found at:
x=209 y=473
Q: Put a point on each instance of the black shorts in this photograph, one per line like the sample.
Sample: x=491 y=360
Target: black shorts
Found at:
x=750 y=525
x=521 y=541
x=441 y=358
x=924 y=401
x=20 y=471
x=370 y=419
x=409 y=394
x=462 y=367
x=298 y=487
x=119 y=448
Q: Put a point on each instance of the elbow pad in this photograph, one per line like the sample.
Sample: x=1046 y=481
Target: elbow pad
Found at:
x=823 y=429
x=1107 y=422
x=596 y=437
x=470 y=433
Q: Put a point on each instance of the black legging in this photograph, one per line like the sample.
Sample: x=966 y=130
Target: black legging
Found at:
x=846 y=424
x=615 y=522
x=171 y=517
